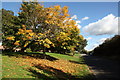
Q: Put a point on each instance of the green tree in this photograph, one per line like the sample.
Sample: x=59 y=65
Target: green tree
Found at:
x=10 y=26
x=29 y=13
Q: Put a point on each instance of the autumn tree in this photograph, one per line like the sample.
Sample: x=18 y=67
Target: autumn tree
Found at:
x=48 y=20
x=48 y=28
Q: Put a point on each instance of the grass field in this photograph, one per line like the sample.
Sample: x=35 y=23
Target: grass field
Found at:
x=54 y=67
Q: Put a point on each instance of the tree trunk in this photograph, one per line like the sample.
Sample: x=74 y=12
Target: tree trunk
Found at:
x=22 y=50
x=44 y=55
x=73 y=53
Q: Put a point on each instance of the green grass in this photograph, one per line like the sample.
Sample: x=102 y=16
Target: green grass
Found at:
x=76 y=57
x=12 y=67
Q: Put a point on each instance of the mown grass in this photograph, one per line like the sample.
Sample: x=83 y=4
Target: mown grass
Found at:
x=54 y=67
x=76 y=57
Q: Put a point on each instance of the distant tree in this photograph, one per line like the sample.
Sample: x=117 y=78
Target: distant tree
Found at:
x=81 y=46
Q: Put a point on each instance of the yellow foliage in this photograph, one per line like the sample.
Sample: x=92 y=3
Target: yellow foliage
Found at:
x=64 y=43
x=47 y=45
x=10 y=38
x=77 y=44
x=31 y=34
x=26 y=44
x=49 y=16
x=65 y=9
x=66 y=15
x=29 y=37
x=39 y=6
x=62 y=33
x=24 y=38
x=40 y=34
x=46 y=21
x=53 y=45
x=68 y=38
x=23 y=26
x=17 y=43
x=81 y=36
x=28 y=31
x=21 y=31
x=72 y=48
x=48 y=41
x=72 y=22
x=64 y=47
x=55 y=13
x=57 y=7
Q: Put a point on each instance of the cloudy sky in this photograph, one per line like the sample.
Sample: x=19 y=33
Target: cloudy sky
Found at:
x=97 y=21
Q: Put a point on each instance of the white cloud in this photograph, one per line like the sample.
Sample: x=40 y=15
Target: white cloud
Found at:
x=107 y=25
x=79 y=26
x=101 y=40
x=92 y=47
x=95 y=45
x=92 y=44
x=74 y=17
x=89 y=38
x=119 y=26
x=85 y=18
x=77 y=23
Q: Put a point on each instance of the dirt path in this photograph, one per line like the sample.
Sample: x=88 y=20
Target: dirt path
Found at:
x=103 y=69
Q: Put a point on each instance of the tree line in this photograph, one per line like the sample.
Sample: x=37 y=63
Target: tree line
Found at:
x=110 y=48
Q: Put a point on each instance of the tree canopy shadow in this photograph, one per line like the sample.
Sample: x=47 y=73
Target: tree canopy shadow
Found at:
x=104 y=69
x=55 y=74
x=33 y=55
x=81 y=61
x=77 y=62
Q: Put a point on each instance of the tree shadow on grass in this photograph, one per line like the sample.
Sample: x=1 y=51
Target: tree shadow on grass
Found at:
x=32 y=55
x=41 y=56
x=77 y=62
x=80 y=61
x=103 y=68
x=55 y=74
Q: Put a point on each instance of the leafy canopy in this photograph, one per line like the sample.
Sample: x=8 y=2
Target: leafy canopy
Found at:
x=48 y=28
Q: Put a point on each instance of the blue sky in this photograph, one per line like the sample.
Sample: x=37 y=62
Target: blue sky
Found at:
x=86 y=13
